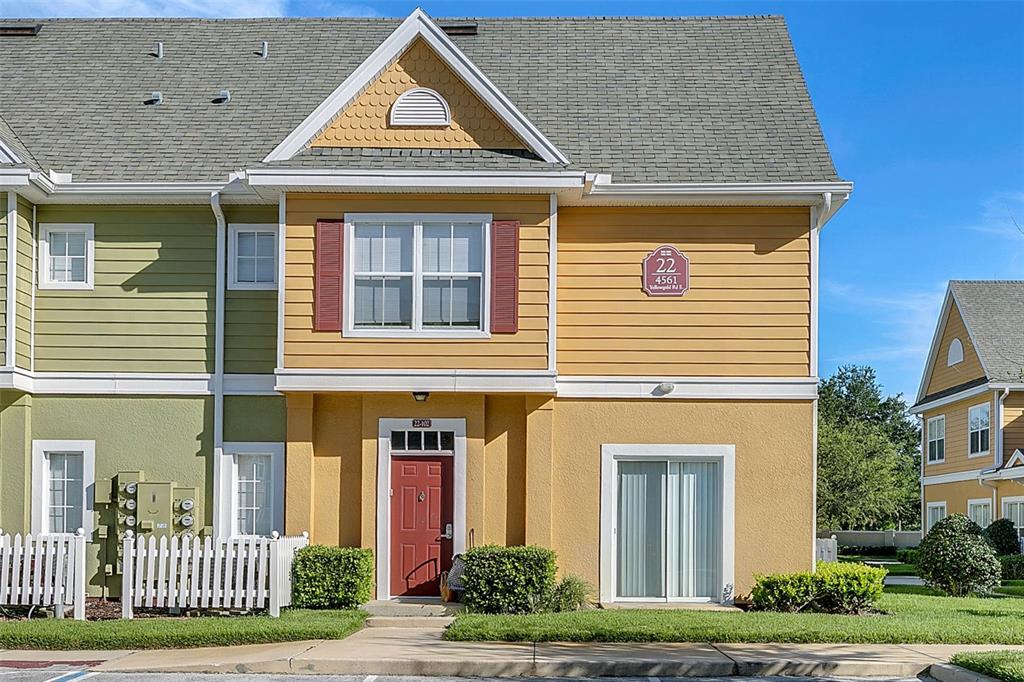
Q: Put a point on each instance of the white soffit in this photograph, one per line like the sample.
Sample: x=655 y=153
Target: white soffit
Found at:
x=417 y=25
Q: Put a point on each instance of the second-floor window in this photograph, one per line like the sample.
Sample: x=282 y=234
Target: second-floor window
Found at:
x=978 y=430
x=252 y=257
x=66 y=255
x=423 y=275
x=936 y=439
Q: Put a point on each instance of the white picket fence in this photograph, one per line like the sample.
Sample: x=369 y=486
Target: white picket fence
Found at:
x=826 y=549
x=237 y=573
x=43 y=570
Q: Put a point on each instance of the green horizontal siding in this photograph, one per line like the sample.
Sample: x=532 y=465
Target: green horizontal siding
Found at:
x=250 y=317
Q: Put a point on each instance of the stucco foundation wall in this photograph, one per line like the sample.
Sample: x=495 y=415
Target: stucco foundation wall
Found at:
x=956 y=494
x=533 y=469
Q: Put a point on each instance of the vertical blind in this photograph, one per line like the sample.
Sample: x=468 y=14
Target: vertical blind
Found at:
x=669 y=529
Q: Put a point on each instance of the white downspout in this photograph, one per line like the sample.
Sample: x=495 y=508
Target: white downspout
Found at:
x=218 y=360
x=12 y=276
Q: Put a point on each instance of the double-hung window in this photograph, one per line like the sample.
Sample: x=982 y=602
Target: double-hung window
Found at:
x=980 y=511
x=250 y=496
x=1013 y=509
x=978 y=430
x=419 y=275
x=936 y=511
x=66 y=256
x=62 y=476
x=936 y=439
x=252 y=256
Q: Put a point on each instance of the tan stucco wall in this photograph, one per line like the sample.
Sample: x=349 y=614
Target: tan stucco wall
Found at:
x=366 y=122
x=533 y=469
x=956 y=495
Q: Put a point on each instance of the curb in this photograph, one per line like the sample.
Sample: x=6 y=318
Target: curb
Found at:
x=947 y=672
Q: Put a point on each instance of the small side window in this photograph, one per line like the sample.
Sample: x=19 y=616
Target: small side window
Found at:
x=252 y=256
x=955 y=355
x=66 y=256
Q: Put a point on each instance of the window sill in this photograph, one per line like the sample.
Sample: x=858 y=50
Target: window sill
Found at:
x=252 y=286
x=70 y=286
x=936 y=461
x=976 y=455
x=414 y=334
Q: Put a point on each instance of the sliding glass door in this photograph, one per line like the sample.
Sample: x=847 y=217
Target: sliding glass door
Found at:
x=668 y=529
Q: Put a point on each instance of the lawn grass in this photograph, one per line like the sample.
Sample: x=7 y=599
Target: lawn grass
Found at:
x=176 y=633
x=1002 y=665
x=913 y=615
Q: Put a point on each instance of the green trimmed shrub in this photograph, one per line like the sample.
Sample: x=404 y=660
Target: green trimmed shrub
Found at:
x=1002 y=535
x=907 y=555
x=833 y=588
x=508 y=579
x=867 y=550
x=1012 y=566
x=785 y=592
x=326 y=577
x=954 y=558
x=571 y=593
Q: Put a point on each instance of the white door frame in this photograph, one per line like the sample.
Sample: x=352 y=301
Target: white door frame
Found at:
x=388 y=425
x=612 y=454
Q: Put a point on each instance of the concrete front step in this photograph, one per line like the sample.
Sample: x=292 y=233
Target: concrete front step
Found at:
x=411 y=608
x=409 y=621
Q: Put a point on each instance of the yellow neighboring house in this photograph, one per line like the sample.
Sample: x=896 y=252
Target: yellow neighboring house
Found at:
x=971 y=405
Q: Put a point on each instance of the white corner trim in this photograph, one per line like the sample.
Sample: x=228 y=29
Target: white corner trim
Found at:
x=233 y=230
x=115 y=383
x=417 y=25
x=953 y=398
x=89 y=230
x=553 y=282
x=383 y=550
x=40 y=473
x=612 y=453
x=815 y=236
x=12 y=277
x=689 y=388
x=225 y=498
x=282 y=254
x=449 y=381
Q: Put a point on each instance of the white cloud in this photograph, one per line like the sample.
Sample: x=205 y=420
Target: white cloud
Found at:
x=181 y=8
x=1002 y=215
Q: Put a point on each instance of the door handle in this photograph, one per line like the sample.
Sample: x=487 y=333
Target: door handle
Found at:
x=448 y=532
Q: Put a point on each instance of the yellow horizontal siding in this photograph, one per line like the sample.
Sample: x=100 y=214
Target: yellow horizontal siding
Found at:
x=956 y=437
x=747 y=312
x=305 y=348
x=943 y=376
x=1013 y=423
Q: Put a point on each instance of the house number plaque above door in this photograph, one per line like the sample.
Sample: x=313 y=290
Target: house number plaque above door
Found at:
x=666 y=272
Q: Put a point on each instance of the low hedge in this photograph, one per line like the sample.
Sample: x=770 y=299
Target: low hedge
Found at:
x=511 y=580
x=867 y=550
x=1012 y=566
x=907 y=555
x=326 y=577
x=832 y=588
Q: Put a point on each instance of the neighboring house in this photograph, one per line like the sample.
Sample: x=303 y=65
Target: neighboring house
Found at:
x=971 y=404
x=414 y=285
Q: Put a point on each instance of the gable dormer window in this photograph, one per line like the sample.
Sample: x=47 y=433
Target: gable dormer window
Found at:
x=420 y=107
x=955 y=355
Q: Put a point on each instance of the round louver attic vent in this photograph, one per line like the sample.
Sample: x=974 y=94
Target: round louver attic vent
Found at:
x=420 y=107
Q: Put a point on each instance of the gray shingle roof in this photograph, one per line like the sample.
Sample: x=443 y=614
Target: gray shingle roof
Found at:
x=994 y=314
x=647 y=100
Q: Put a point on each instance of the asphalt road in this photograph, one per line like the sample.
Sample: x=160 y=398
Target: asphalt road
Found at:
x=54 y=674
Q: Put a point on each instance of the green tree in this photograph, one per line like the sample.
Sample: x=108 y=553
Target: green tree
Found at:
x=868 y=454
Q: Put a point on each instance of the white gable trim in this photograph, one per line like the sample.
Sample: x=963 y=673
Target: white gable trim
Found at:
x=416 y=25
x=7 y=154
x=933 y=352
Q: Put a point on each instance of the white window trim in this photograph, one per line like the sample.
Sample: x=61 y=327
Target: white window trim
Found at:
x=459 y=530
x=929 y=440
x=233 y=230
x=1008 y=501
x=226 y=485
x=40 y=474
x=348 y=286
x=955 y=353
x=929 y=507
x=980 y=502
x=983 y=453
x=613 y=453
x=44 y=255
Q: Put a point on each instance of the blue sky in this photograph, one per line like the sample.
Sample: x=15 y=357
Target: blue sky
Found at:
x=922 y=105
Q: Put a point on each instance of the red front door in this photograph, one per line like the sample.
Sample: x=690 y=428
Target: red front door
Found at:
x=421 y=509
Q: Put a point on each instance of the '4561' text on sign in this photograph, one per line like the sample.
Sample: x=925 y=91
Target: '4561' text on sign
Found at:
x=666 y=272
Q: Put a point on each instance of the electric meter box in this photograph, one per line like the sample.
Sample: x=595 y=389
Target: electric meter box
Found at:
x=155 y=509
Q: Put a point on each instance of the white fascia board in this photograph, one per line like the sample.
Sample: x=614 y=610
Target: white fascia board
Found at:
x=14 y=178
x=689 y=388
x=417 y=25
x=804 y=193
x=130 y=383
x=955 y=397
x=408 y=180
x=1011 y=474
x=954 y=477
x=1003 y=385
x=446 y=381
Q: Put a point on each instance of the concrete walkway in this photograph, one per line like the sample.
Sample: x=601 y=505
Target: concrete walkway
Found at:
x=420 y=651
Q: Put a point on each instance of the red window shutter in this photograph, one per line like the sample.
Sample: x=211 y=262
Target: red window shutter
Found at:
x=505 y=276
x=328 y=273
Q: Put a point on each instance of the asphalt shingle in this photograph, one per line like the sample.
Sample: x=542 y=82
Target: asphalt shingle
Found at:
x=993 y=311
